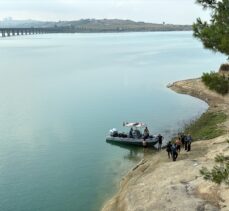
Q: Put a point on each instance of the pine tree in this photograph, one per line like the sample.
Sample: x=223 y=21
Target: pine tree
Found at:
x=215 y=33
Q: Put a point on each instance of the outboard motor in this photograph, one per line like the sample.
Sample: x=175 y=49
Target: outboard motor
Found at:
x=114 y=132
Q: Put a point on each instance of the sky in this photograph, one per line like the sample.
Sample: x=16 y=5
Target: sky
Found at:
x=156 y=11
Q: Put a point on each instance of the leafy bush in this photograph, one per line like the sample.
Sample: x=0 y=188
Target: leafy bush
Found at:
x=220 y=173
x=216 y=82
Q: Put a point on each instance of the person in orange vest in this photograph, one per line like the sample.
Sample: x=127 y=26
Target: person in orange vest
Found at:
x=178 y=143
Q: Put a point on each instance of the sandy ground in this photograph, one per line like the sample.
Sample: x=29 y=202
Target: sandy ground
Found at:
x=159 y=184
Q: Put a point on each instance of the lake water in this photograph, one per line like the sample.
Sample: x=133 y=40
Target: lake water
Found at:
x=61 y=93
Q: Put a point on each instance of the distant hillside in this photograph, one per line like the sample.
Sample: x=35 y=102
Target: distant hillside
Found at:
x=93 y=25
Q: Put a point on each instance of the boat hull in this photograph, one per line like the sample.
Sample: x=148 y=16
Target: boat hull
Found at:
x=131 y=141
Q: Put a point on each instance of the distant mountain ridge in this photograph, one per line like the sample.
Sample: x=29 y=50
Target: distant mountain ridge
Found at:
x=96 y=25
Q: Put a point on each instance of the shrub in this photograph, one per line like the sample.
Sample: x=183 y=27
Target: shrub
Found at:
x=216 y=82
x=220 y=173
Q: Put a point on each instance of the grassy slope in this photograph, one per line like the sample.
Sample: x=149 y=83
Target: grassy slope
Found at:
x=207 y=126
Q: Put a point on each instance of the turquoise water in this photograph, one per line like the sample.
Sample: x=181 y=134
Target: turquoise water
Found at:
x=60 y=94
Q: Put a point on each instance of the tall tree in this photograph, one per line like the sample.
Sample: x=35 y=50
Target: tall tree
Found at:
x=215 y=33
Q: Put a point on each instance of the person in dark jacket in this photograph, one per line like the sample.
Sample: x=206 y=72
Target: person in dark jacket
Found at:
x=169 y=149
x=185 y=143
x=146 y=134
x=131 y=133
x=160 y=139
x=182 y=138
x=189 y=142
x=174 y=152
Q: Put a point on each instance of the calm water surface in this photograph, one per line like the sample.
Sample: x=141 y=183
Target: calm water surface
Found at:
x=60 y=94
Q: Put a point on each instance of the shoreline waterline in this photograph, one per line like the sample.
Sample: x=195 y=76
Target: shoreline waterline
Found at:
x=65 y=92
x=192 y=87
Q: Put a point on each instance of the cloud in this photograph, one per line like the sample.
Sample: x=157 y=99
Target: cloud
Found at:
x=170 y=11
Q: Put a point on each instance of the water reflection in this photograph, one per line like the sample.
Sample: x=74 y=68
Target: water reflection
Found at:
x=134 y=153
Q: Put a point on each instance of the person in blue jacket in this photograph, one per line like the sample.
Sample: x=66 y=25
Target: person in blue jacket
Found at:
x=174 y=152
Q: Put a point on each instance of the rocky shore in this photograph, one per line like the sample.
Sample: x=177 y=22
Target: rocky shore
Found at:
x=159 y=184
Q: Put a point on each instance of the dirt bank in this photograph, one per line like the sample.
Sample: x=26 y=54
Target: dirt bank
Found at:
x=159 y=184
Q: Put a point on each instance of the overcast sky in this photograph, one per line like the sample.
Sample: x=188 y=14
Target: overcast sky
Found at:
x=157 y=11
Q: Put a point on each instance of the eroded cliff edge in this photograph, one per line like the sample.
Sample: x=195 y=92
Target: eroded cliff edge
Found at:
x=159 y=184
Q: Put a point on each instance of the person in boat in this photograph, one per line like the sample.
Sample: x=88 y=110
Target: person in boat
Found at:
x=169 y=149
x=160 y=139
x=146 y=134
x=131 y=133
x=137 y=133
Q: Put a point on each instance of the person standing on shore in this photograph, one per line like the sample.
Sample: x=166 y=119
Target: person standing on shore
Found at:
x=160 y=139
x=178 y=143
x=182 y=138
x=185 y=143
x=189 y=142
x=174 y=152
x=169 y=149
